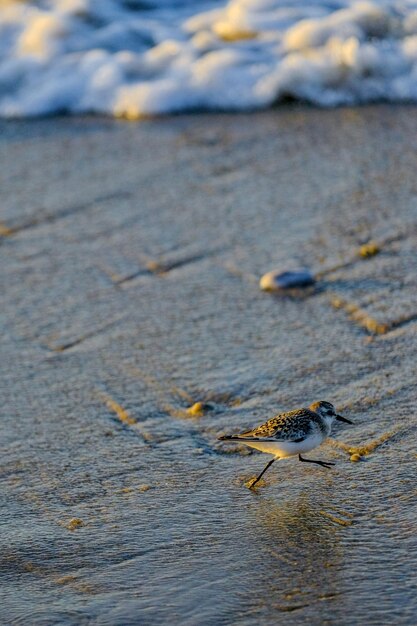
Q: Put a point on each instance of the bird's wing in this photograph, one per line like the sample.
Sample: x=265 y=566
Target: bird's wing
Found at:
x=291 y=426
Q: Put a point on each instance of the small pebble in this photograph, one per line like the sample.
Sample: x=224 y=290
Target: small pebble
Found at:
x=74 y=523
x=369 y=249
x=355 y=458
x=277 y=280
x=198 y=409
x=155 y=267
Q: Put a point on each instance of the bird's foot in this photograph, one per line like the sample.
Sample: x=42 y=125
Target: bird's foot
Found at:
x=254 y=483
x=327 y=464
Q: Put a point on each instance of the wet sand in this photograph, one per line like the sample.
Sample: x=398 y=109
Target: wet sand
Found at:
x=130 y=256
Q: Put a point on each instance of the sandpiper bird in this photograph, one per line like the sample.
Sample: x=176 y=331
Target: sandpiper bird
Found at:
x=292 y=433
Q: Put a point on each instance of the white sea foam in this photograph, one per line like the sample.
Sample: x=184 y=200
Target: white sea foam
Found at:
x=132 y=58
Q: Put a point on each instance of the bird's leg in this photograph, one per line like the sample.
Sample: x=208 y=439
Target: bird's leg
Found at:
x=262 y=473
x=327 y=464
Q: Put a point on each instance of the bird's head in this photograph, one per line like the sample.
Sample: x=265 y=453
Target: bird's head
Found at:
x=327 y=411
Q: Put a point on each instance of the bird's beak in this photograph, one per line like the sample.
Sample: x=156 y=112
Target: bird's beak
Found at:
x=343 y=419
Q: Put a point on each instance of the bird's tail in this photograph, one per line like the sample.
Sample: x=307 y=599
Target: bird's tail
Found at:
x=241 y=437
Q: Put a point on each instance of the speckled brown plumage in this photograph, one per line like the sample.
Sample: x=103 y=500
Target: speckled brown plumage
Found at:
x=290 y=426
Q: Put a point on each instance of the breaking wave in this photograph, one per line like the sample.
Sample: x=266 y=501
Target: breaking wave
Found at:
x=133 y=58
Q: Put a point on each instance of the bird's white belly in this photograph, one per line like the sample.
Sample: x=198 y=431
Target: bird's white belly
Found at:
x=283 y=449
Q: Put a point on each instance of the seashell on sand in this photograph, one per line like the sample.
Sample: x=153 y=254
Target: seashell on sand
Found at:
x=278 y=280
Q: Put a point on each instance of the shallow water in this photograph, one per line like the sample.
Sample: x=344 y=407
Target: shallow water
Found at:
x=130 y=293
x=139 y=58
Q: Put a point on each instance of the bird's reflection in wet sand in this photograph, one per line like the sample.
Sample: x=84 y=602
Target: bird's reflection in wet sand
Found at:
x=300 y=552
